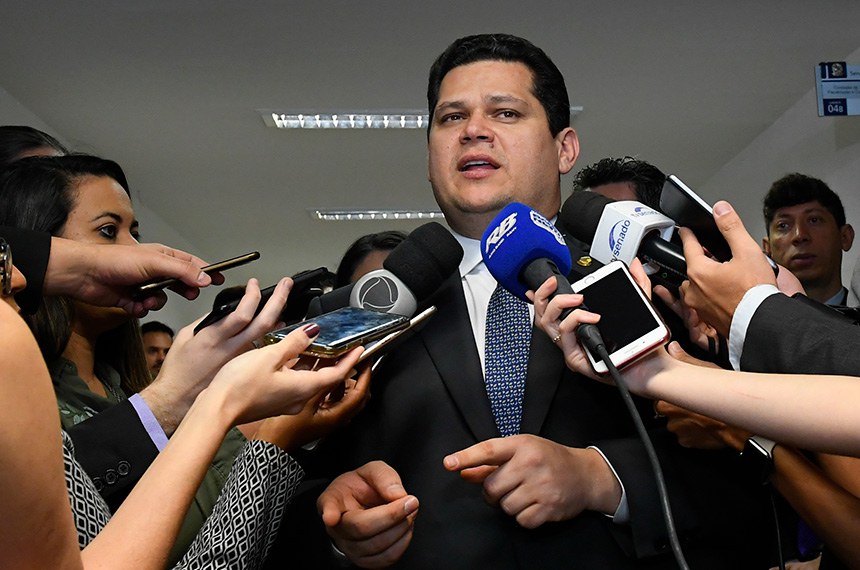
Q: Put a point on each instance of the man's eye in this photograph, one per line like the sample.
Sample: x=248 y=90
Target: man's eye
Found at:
x=452 y=117
x=508 y=114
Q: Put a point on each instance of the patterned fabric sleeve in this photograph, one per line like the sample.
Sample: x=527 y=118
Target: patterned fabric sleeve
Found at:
x=89 y=509
x=246 y=518
x=243 y=524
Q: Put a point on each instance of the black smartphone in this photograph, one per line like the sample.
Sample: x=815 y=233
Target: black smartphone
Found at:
x=687 y=209
x=629 y=324
x=150 y=288
x=305 y=287
x=344 y=329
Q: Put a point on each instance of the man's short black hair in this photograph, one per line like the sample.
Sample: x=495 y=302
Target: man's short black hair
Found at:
x=647 y=180
x=547 y=81
x=155 y=326
x=793 y=189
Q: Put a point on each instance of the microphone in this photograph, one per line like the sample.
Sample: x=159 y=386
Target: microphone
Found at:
x=624 y=230
x=411 y=273
x=522 y=249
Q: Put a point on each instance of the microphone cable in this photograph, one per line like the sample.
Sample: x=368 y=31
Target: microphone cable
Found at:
x=590 y=336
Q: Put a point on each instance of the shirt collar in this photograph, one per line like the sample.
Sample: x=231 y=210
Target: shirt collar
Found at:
x=471 y=253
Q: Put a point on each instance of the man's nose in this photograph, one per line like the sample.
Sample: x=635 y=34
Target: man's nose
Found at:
x=477 y=128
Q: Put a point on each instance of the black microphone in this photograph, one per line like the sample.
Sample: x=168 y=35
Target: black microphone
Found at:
x=411 y=273
x=624 y=230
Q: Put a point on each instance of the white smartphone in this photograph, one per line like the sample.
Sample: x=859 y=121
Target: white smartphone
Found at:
x=629 y=324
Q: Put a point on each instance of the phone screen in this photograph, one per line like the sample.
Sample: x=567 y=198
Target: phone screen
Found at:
x=623 y=316
x=628 y=323
x=344 y=329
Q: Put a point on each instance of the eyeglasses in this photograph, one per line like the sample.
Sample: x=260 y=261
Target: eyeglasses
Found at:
x=5 y=267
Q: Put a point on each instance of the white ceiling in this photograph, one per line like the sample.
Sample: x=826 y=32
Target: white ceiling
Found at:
x=170 y=90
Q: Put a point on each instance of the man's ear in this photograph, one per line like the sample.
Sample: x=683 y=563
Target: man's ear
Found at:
x=847 y=236
x=568 y=149
x=765 y=245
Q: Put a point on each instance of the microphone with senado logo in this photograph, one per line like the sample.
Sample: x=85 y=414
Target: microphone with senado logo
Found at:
x=625 y=230
x=411 y=273
x=522 y=249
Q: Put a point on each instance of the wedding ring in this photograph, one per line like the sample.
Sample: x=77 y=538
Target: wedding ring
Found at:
x=556 y=338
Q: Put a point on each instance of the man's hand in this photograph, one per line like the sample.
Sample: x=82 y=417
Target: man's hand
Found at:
x=108 y=274
x=715 y=289
x=369 y=515
x=537 y=480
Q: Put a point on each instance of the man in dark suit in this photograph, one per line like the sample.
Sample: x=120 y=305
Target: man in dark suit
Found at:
x=572 y=488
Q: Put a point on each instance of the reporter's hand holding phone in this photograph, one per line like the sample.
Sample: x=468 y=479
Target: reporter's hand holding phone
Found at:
x=263 y=383
x=563 y=333
x=113 y=272
x=715 y=289
x=194 y=360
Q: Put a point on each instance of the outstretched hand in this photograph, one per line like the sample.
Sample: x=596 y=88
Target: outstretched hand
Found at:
x=109 y=274
x=715 y=289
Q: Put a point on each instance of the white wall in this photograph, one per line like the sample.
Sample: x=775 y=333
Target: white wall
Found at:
x=799 y=141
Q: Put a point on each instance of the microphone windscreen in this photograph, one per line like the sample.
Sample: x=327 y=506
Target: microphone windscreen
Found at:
x=425 y=259
x=581 y=212
x=517 y=236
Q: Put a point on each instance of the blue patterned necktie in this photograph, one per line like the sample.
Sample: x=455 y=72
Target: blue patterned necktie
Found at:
x=506 y=355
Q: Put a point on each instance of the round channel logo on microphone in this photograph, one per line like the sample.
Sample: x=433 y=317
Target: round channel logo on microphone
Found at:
x=378 y=293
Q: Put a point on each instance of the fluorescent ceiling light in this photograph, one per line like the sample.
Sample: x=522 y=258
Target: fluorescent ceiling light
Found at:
x=345 y=119
x=343 y=215
x=395 y=119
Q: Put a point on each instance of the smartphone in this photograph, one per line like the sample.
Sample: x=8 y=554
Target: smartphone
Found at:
x=306 y=286
x=150 y=288
x=383 y=345
x=687 y=209
x=629 y=324
x=344 y=329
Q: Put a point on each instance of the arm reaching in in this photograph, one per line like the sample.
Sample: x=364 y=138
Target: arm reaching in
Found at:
x=194 y=360
x=102 y=275
x=715 y=289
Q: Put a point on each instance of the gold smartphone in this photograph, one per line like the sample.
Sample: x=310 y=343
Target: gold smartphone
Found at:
x=149 y=288
x=344 y=329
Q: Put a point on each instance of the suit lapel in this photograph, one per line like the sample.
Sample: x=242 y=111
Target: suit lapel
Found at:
x=449 y=341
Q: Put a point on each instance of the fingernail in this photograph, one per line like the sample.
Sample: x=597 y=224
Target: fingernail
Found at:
x=311 y=329
x=450 y=462
x=722 y=208
x=674 y=348
x=411 y=505
x=202 y=278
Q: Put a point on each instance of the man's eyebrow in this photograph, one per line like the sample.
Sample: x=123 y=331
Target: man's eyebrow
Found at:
x=505 y=99
x=492 y=99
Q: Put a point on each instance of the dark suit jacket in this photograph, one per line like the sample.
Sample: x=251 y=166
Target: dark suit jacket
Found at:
x=789 y=335
x=428 y=400
x=30 y=252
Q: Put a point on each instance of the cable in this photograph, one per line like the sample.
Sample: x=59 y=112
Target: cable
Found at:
x=776 y=526
x=589 y=336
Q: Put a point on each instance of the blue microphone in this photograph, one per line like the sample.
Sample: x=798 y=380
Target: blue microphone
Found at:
x=522 y=249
